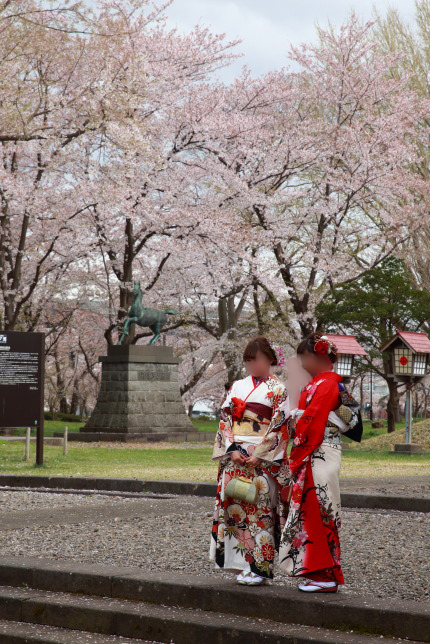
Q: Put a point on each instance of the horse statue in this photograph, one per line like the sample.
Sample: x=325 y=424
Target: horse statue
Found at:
x=142 y=316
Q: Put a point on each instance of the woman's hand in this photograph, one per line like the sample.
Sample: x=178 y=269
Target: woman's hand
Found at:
x=253 y=461
x=237 y=458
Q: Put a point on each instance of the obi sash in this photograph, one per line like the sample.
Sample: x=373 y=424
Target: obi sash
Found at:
x=334 y=429
x=250 y=425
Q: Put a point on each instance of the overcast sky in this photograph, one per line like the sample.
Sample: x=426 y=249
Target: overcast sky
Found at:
x=267 y=27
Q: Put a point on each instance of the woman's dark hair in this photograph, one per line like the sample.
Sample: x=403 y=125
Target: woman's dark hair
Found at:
x=260 y=344
x=308 y=344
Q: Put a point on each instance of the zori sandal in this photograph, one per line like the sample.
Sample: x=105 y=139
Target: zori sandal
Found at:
x=251 y=579
x=319 y=587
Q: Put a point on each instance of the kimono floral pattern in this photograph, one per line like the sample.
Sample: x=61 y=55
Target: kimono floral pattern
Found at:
x=246 y=536
x=246 y=530
x=310 y=538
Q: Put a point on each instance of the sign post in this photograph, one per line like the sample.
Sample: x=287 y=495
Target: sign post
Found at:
x=22 y=366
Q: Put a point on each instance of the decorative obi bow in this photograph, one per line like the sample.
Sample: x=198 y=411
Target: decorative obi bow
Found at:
x=238 y=407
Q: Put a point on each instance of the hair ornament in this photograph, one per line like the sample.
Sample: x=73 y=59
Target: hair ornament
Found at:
x=324 y=346
x=278 y=349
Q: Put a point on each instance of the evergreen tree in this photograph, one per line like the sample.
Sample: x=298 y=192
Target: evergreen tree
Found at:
x=373 y=308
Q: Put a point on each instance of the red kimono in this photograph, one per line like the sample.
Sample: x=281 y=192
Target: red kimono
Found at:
x=310 y=539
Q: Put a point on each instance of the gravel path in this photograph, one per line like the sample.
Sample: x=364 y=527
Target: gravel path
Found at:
x=19 y=501
x=391 y=486
x=384 y=553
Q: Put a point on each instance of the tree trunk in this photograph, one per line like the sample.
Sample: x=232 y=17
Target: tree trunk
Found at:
x=126 y=298
x=361 y=393
x=74 y=403
x=417 y=405
x=61 y=393
x=392 y=405
x=227 y=324
x=257 y=308
x=52 y=411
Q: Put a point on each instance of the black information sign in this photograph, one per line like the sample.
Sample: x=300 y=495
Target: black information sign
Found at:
x=22 y=357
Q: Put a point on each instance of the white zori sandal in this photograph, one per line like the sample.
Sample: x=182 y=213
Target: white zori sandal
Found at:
x=250 y=579
x=319 y=587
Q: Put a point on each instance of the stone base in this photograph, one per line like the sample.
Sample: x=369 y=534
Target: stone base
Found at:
x=162 y=437
x=408 y=448
x=139 y=394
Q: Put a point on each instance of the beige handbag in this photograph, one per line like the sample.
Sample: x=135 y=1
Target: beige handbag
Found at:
x=242 y=489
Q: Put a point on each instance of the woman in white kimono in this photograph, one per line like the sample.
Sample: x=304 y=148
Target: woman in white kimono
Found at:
x=251 y=442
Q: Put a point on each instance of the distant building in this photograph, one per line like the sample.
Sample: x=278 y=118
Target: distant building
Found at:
x=200 y=408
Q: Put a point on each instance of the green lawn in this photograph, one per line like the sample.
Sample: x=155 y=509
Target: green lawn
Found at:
x=371 y=432
x=193 y=462
x=51 y=426
x=205 y=424
x=202 y=424
x=180 y=463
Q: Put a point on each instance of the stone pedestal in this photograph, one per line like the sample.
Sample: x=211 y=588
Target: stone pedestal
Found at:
x=408 y=448
x=139 y=397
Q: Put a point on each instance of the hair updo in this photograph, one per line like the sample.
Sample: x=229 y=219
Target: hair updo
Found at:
x=262 y=344
x=323 y=346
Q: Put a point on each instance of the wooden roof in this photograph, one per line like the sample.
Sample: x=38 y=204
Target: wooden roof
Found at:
x=417 y=342
x=347 y=344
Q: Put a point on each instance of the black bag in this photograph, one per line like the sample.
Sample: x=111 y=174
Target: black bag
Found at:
x=355 y=432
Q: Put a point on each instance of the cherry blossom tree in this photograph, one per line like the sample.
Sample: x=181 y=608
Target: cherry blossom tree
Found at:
x=74 y=343
x=141 y=204
x=240 y=205
x=318 y=164
x=394 y=35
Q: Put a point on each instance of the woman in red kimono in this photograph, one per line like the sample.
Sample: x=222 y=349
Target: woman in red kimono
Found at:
x=310 y=538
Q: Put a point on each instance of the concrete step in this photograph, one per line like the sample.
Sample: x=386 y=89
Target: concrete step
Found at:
x=348 y=499
x=22 y=633
x=393 y=618
x=142 y=621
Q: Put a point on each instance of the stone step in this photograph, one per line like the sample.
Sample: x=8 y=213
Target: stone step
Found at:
x=140 y=621
x=196 y=488
x=216 y=596
x=22 y=633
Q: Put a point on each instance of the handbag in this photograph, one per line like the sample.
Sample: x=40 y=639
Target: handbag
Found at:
x=242 y=489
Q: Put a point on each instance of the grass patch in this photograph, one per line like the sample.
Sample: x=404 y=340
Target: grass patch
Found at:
x=367 y=463
x=182 y=462
x=205 y=424
x=201 y=424
x=51 y=426
x=127 y=462
x=420 y=435
x=371 y=432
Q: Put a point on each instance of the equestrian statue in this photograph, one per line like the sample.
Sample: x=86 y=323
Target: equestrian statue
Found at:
x=138 y=314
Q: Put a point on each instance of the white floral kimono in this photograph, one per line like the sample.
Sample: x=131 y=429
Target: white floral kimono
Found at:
x=253 y=421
